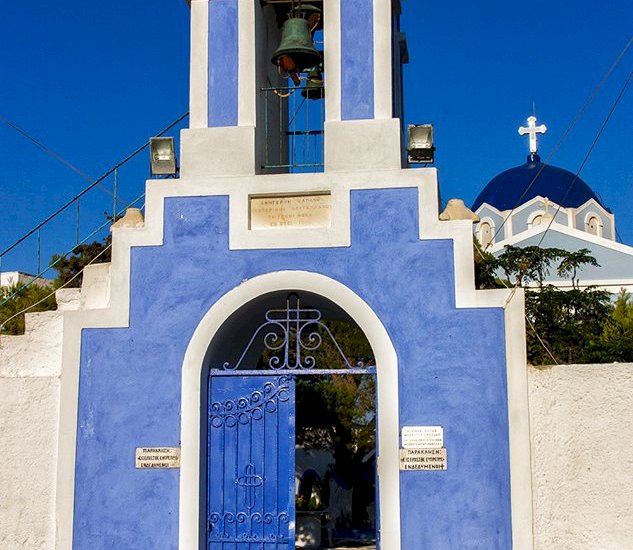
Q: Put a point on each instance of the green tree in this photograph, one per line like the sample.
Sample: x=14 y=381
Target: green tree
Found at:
x=32 y=294
x=72 y=265
x=618 y=330
x=573 y=261
x=529 y=264
x=570 y=324
x=485 y=268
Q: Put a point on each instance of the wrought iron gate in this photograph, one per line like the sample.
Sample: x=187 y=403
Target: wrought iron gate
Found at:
x=251 y=432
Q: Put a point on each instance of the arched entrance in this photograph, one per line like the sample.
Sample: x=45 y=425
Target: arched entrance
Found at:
x=192 y=512
x=290 y=447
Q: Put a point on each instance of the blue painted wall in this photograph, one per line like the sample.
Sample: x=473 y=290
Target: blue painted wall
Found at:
x=357 y=59
x=223 y=63
x=451 y=368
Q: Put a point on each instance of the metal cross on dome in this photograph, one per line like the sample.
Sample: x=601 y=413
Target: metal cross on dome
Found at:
x=532 y=129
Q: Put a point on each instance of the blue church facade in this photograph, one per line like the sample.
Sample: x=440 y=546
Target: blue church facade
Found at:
x=135 y=370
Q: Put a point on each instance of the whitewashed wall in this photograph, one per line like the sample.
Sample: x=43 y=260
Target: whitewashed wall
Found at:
x=582 y=456
x=30 y=367
x=581 y=426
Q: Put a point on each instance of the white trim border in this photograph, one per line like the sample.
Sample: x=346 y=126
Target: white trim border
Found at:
x=340 y=185
x=387 y=387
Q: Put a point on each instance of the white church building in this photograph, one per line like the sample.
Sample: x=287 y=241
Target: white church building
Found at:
x=540 y=204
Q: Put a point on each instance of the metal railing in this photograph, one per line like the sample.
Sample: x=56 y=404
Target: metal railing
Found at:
x=293 y=128
x=65 y=223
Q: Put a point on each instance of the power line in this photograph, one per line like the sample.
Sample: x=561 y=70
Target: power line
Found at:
x=558 y=145
x=589 y=152
x=57 y=156
x=92 y=185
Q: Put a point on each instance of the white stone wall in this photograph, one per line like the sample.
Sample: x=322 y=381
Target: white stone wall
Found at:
x=30 y=368
x=582 y=456
x=29 y=407
x=581 y=435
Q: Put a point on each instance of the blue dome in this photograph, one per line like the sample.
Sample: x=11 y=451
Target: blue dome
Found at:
x=505 y=191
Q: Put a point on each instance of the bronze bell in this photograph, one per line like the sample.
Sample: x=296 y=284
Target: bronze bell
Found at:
x=314 y=85
x=296 y=53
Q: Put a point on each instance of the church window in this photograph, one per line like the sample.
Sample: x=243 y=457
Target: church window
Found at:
x=537 y=220
x=594 y=226
x=486 y=233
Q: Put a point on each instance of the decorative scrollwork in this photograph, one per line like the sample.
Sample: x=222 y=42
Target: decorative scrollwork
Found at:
x=291 y=335
x=245 y=527
x=244 y=409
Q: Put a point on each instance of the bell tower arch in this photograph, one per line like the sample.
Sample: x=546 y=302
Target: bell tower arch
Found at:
x=232 y=44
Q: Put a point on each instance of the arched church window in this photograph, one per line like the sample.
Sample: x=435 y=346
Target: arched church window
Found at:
x=537 y=220
x=486 y=233
x=594 y=225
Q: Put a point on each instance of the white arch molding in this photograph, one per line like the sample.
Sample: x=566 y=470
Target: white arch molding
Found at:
x=492 y=229
x=388 y=427
x=590 y=217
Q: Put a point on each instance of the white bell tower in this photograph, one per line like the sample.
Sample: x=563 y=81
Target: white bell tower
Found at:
x=232 y=42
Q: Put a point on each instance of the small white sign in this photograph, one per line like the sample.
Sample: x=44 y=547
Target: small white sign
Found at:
x=423 y=459
x=157 y=457
x=422 y=437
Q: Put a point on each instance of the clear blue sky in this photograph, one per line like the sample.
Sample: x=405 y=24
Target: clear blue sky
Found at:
x=93 y=80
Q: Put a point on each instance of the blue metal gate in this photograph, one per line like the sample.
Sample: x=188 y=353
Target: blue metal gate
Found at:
x=251 y=463
x=251 y=431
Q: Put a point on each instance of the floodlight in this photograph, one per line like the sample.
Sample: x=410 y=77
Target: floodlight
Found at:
x=421 y=149
x=162 y=156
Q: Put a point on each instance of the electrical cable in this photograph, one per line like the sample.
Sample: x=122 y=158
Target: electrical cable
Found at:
x=588 y=154
x=59 y=158
x=558 y=145
x=25 y=310
x=92 y=185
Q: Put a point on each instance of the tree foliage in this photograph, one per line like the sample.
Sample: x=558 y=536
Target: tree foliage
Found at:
x=618 y=330
x=566 y=326
x=530 y=264
x=69 y=268
x=572 y=261
x=27 y=297
x=69 y=273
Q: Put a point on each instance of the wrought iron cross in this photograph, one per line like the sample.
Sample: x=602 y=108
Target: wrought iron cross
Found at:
x=532 y=129
x=249 y=481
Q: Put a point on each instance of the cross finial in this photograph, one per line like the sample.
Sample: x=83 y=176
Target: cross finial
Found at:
x=532 y=129
x=545 y=204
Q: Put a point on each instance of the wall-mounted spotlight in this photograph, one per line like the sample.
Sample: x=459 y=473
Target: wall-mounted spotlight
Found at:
x=162 y=156
x=421 y=149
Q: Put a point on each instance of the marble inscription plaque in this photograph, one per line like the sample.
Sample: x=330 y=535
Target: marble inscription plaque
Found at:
x=157 y=457
x=422 y=437
x=423 y=459
x=291 y=211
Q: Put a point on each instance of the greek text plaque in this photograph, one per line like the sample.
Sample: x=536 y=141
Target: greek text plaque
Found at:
x=290 y=211
x=422 y=437
x=157 y=457
x=423 y=459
